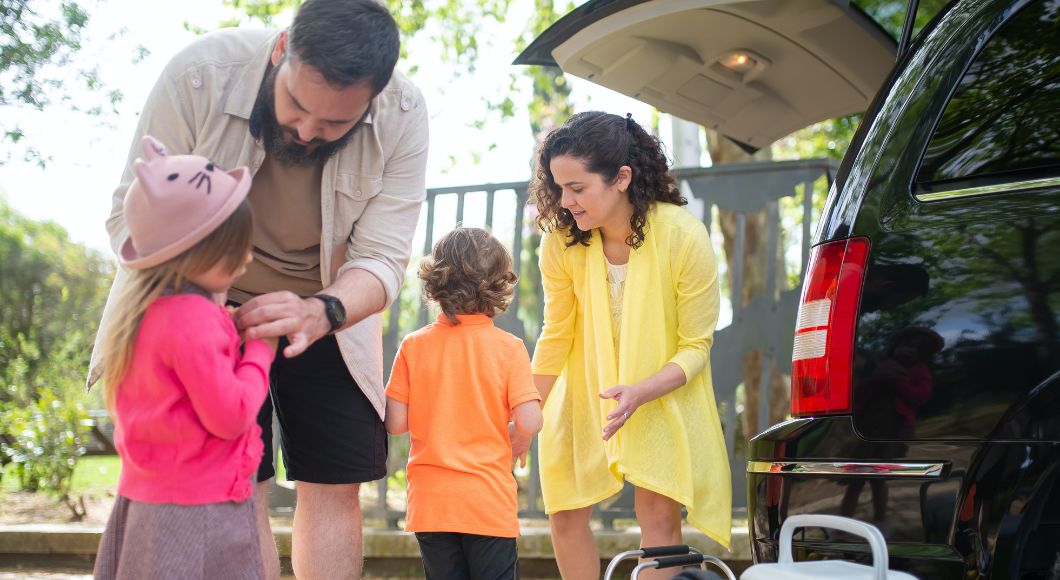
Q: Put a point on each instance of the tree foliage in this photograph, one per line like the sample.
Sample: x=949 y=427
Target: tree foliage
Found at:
x=31 y=42
x=890 y=14
x=454 y=25
x=39 y=45
x=52 y=291
x=549 y=102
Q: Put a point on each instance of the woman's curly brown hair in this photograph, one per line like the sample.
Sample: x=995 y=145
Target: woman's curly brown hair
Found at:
x=469 y=272
x=604 y=142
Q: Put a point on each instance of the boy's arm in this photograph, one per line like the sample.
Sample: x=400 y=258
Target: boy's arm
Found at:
x=526 y=422
x=397 y=417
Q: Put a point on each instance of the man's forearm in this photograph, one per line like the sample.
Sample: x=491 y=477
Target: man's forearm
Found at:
x=361 y=293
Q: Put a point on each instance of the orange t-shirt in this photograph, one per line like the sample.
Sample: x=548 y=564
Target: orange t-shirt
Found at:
x=461 y=383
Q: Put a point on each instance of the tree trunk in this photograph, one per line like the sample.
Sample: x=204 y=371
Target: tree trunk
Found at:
x=756 y=243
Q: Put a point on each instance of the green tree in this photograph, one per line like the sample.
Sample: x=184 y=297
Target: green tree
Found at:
x=890 y=14
x=458 y=22
x=52 y=292
x=549 y=107
x=39 y=46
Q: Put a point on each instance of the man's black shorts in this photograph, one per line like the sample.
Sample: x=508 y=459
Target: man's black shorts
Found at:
x=329 y=431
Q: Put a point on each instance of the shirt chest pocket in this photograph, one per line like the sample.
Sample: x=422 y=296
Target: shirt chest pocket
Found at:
x=353 y=192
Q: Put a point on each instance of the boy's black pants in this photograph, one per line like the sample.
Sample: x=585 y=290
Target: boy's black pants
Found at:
x=456 y=556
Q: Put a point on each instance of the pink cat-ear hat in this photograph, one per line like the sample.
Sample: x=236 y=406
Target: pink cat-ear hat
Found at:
x=174 y=202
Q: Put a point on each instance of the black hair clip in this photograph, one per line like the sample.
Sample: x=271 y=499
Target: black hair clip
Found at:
x=629 y=121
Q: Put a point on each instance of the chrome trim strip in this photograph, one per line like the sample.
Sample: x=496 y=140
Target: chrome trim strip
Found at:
x=988 y=189
x=847 y=468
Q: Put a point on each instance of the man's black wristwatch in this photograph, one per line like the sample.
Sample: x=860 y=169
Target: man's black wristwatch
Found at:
x=334 y=310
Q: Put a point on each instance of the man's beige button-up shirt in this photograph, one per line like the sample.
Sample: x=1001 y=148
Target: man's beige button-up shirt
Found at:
x=371 y=191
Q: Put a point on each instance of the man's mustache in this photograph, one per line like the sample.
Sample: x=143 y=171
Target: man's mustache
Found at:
x=293 y=134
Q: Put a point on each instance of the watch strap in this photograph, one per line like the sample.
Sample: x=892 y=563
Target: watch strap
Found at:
x=329 y=304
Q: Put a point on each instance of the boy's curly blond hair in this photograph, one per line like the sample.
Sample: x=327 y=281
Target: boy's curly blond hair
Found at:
x=469 y=272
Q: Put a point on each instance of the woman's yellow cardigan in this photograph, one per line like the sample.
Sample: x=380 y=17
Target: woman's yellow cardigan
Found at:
x=672 y=445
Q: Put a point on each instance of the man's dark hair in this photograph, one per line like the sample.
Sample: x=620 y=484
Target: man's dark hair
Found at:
x=348 y=41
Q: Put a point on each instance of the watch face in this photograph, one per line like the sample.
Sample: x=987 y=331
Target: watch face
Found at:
x=337 y=312
x=334 y=310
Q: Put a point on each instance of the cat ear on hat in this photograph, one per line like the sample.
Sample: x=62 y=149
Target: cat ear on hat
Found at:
x=153 y=148
x=140 y=169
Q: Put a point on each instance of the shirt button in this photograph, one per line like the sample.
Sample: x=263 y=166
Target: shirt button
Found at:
x=406 y=104
x=196 y=82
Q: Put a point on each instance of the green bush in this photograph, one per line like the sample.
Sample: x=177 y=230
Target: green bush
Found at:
x=44 y=440
x=51 y=295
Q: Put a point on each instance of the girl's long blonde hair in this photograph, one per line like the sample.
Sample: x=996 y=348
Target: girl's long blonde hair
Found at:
x=227 y=245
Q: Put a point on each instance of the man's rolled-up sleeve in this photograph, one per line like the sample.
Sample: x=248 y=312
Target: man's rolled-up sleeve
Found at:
x=381 y=240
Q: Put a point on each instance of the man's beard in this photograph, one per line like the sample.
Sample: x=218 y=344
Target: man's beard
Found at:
x=272 y=132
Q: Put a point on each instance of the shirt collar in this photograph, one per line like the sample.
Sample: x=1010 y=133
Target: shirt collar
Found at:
x=240 y=102
x=468 y=319
x=188 y=288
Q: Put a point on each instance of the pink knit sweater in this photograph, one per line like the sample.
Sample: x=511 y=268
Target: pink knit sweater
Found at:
x=186 y=424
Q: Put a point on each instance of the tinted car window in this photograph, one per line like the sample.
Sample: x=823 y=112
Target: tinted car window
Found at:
x=1003 y=117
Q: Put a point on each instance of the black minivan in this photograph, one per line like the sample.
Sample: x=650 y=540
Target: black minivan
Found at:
x=926 y=363
x=925 y=379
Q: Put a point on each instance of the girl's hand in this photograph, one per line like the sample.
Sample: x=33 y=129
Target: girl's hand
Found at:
x=273 y=342
x=628 y=400
x=242 y=333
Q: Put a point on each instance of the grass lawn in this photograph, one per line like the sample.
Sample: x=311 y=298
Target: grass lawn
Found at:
x=92 y=473
x=96 y=473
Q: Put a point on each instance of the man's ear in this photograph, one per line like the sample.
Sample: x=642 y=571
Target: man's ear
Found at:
x=279 y=49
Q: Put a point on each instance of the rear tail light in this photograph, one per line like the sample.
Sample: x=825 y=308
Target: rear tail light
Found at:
x=822 y=359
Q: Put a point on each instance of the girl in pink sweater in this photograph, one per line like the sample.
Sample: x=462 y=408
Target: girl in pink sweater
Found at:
x=183 y=393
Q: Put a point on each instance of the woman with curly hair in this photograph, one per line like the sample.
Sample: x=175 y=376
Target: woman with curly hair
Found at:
x=455 y=385
x=623 y=361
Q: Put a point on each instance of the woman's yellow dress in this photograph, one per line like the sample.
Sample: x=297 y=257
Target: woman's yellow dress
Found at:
x=672 y=445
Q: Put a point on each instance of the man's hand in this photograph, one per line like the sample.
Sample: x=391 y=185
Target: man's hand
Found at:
x=301 y=320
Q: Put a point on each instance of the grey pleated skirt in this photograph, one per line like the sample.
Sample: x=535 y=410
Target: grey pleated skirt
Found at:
x=147 y=541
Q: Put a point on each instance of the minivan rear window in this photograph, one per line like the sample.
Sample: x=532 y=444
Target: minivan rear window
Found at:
x=1002 y=119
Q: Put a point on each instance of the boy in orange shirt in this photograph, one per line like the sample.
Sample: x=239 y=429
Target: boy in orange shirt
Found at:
x=455 y=386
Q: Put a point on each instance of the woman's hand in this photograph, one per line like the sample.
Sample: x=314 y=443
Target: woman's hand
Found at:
x=628 y=399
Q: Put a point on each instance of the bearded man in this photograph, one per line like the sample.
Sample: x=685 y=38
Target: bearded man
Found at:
x=337 y=142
